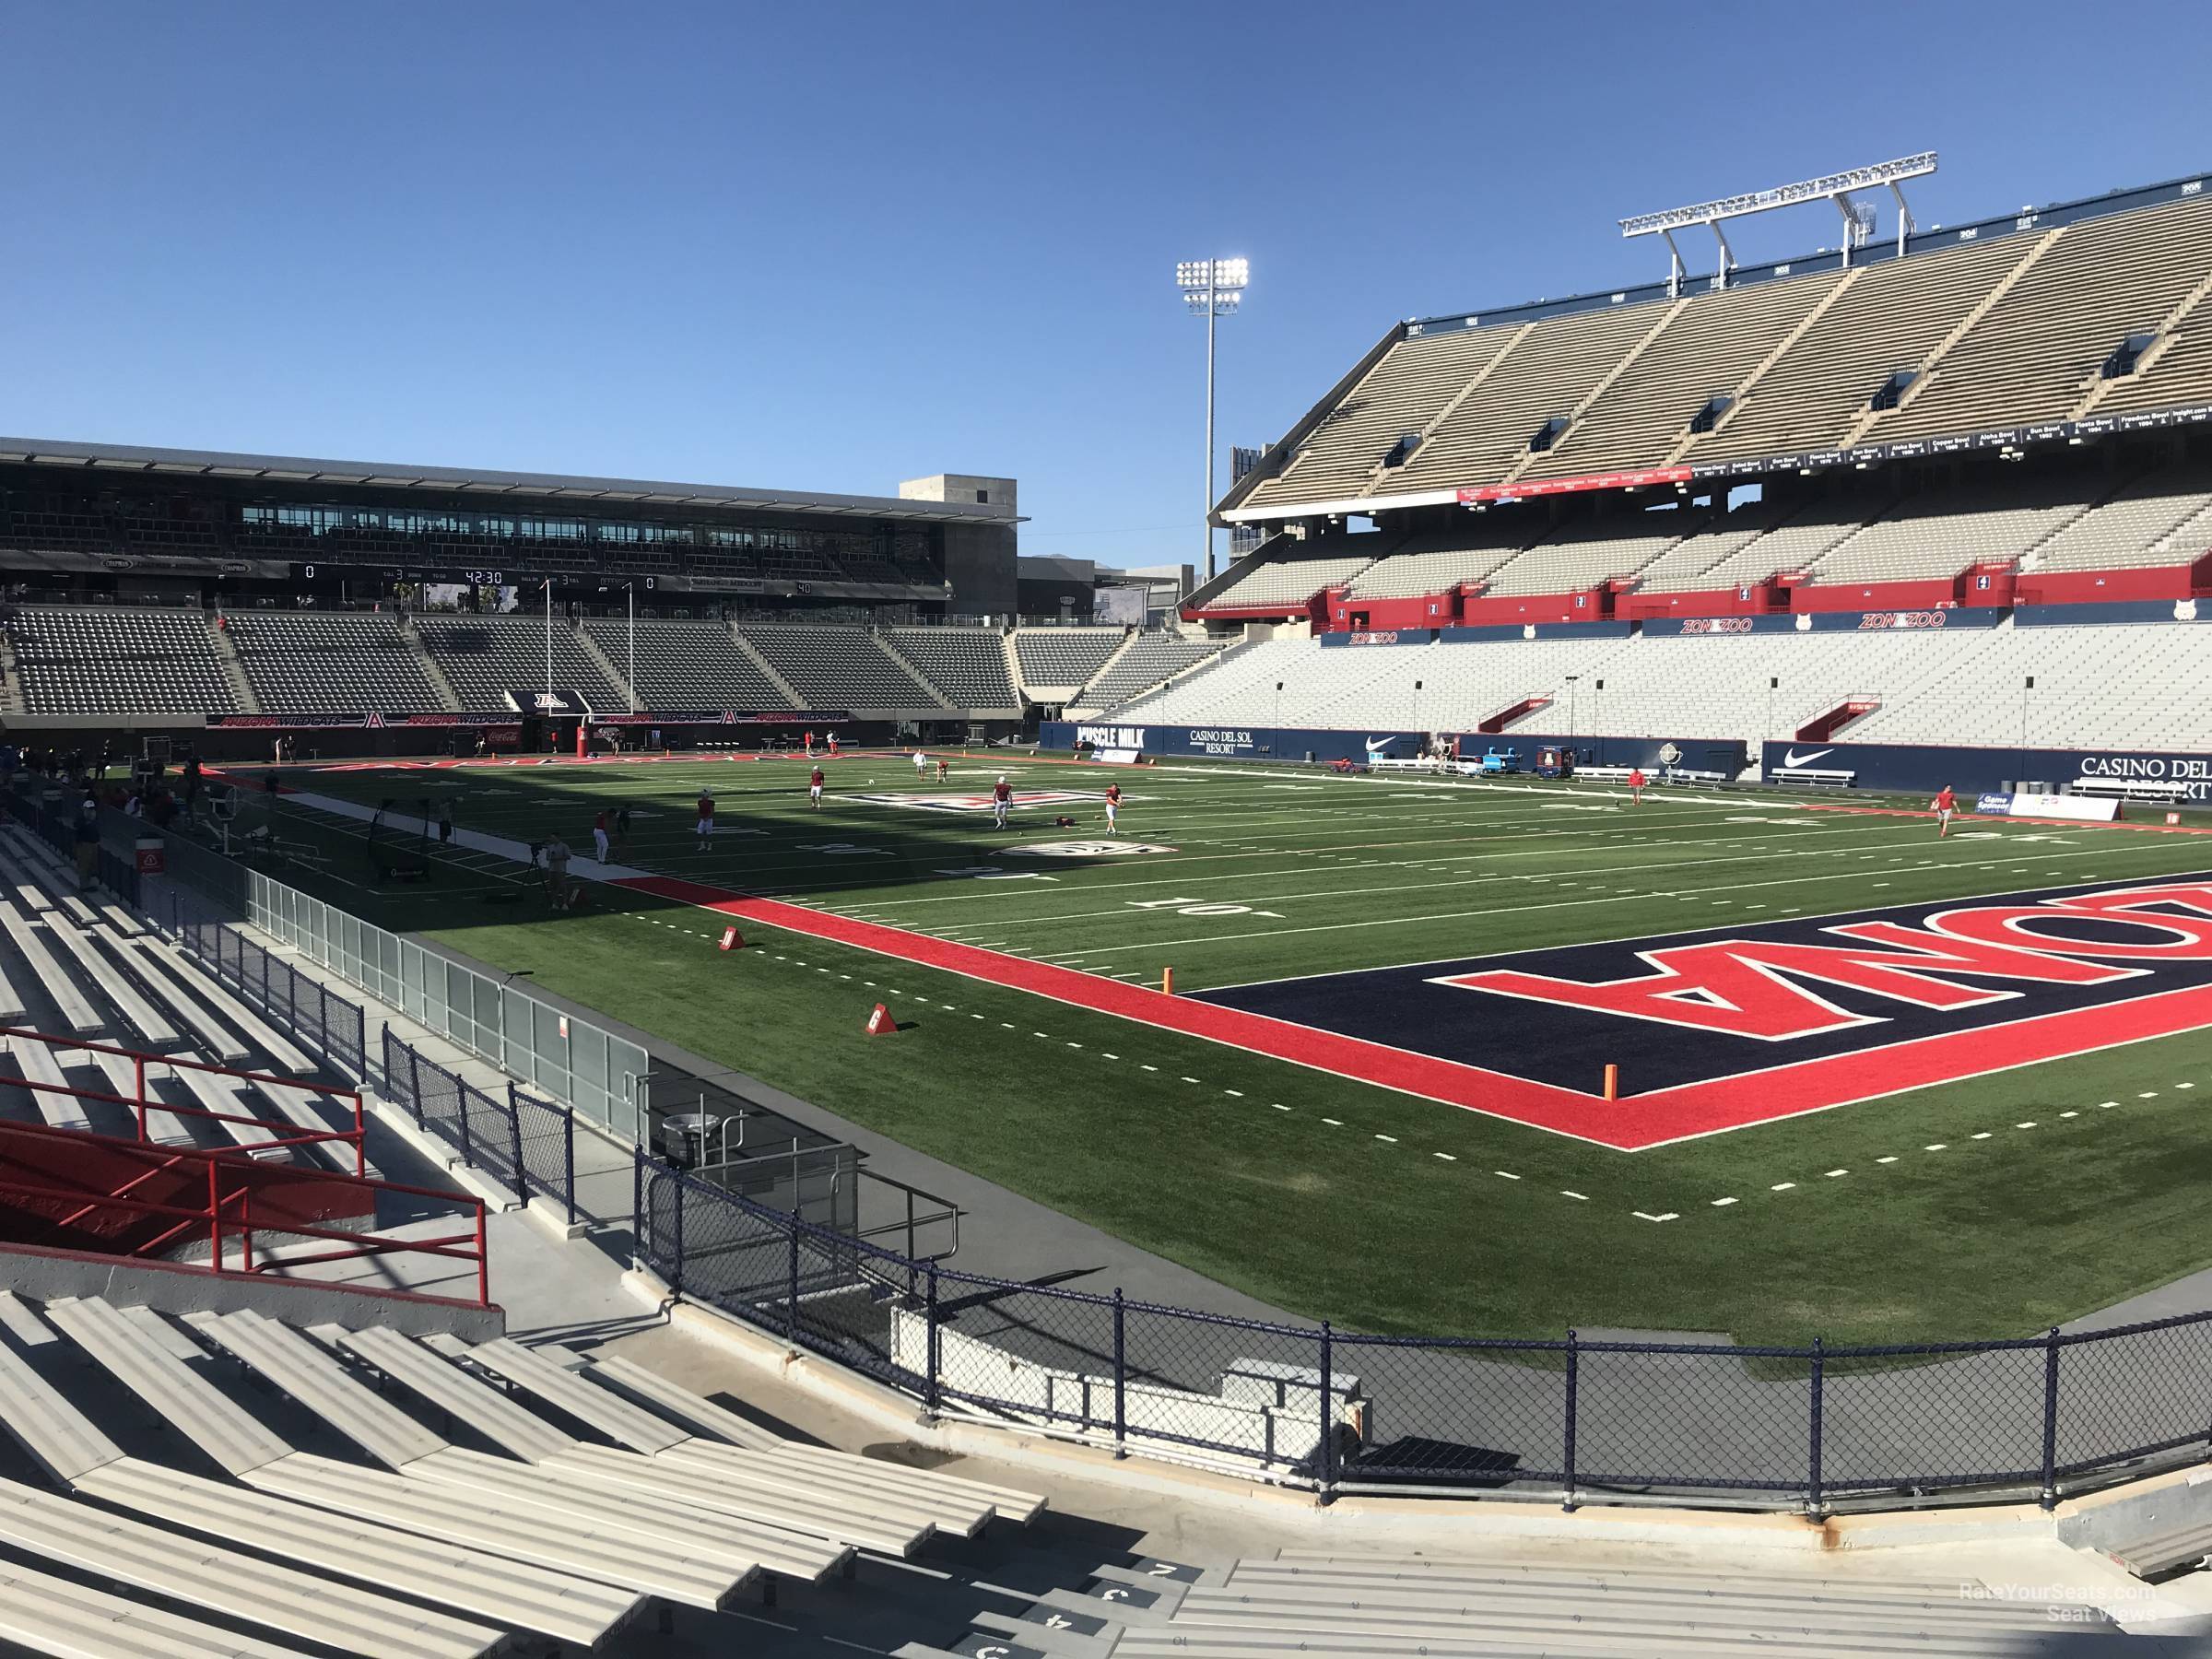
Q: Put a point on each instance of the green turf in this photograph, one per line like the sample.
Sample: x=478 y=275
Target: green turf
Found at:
x=1329 y=1197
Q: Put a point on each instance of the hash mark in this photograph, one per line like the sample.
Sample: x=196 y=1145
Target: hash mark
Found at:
x=1782 y=1186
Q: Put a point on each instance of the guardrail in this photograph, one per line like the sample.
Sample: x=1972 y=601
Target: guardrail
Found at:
x=232 y=1223
x=283 y=1134
x=1801 y=1427
x=529 y=1144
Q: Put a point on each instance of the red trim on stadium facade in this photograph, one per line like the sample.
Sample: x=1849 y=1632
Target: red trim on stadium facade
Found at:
x=1634 y=1123
x=1551 y=487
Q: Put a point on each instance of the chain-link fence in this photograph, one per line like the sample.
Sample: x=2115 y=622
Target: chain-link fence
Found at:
x=527 y=1143
x=1811 y=1428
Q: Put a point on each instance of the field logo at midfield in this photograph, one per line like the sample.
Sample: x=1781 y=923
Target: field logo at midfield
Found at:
x=1085 y=849
x=980 y=803
x=1726 y=1026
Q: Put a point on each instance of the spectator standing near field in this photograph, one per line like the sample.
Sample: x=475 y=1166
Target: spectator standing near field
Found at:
x=557 y=871
x=706 y=821
x=1944 y=804
x=921 y=767
x=599 y=841
x=622 y=828
x=88 y=838
x=1113 y=806
x=1636 y=784
x=814 y=789
x=1002 y=798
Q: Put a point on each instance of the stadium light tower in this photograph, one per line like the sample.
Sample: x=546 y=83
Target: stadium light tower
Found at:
x=1211 y=289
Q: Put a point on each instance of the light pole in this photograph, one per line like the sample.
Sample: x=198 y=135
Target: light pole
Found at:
x=1211 y=289
x=1570 y=679
x=632 y=589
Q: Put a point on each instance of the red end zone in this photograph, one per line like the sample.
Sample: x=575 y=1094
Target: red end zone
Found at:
x=1631 y=1124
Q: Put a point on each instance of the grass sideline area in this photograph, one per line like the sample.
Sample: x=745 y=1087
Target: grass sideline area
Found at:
x=1990 y=1206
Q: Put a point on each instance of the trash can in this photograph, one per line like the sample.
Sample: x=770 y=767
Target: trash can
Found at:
x=686 y=1135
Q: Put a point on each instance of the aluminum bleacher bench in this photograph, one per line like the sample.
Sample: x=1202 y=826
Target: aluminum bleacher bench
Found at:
x=151 y=1026
x=1345 y=1608
x=657 y=1457
x=65 y=1443
x=651 y=1516
x=715 y=1423
x=76 y=1009
x=28 y=893
x=53 y=1616
x=2166 y=1549
x=282 y=1051
x=209 y=1034
x=60 y=1110
x=1814 y=777
x=568 y=1539
x=792 y=1522
x=223 y=1580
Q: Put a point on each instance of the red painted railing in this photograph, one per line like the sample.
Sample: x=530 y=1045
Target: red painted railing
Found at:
x=284 y=1133
x=227 y=1215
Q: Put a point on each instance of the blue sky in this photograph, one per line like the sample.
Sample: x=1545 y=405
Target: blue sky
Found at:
x=831 y=246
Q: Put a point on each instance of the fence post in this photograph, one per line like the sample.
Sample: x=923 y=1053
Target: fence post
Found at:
x=677 y=1283
x=1325 y=1465
x=790 y=1314
x=568 y=1162
x=2050 y=1494
x=1813 y=1485
x=1121 y=1377
x=514 y=1141
x=1574 y=1370
x=468 y=1149
x=637 y=1229
x=930 y=1397
x=415 y=1081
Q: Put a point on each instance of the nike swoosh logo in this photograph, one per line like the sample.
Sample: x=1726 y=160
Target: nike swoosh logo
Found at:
x=1794 y=759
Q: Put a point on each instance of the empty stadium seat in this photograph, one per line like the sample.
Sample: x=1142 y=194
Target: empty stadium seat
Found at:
x=968 y=666
x=1150 y=658
x=1063 y=658
x=304 y=662
x=99 y=661
x=486 y=657
x=838 y=668
x=687 y=665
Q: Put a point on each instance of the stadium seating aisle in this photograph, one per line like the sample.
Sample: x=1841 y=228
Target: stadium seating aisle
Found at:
x=1149 y=659
x=306 y=661
x=2123 y=684
x=2038 y=352
x=837 y=667
x=487 y=657
x=687 y=665
x=1063 y=659
x=96 y=660
x=1707 y=351
x=968 y=666
x=1290 y=572
x=2163 y=519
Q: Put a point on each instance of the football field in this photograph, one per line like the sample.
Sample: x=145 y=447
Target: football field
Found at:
x=1379 y=1094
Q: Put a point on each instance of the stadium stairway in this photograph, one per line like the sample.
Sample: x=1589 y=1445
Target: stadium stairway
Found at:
x=768 y=669
x=449 y=699
x=606 y=664
x=234 y=671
